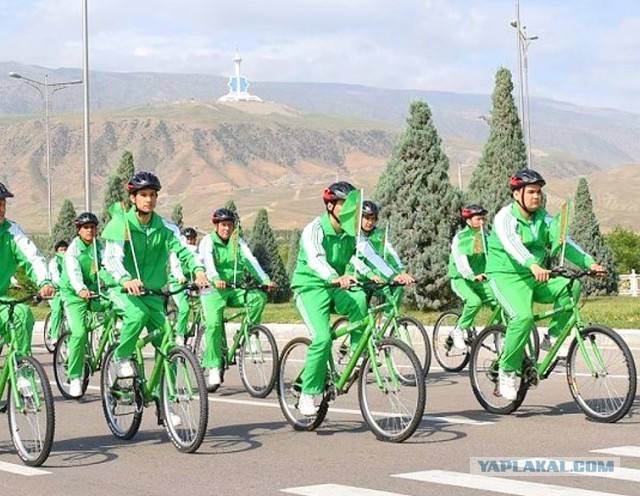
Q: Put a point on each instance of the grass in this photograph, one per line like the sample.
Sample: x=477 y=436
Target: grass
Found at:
x=620 y=312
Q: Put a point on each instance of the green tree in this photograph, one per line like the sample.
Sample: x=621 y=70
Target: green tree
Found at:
x=176 y=215
x=114 y=190
x=421 y=207
x=231 y=206
x=585 y=230
x=294 y=248
x=264 y=247
x=504 y=152
x=626 y=246
x=64 y=227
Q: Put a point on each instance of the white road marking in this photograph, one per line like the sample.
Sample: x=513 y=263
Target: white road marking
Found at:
x=22 y=469
x=633 y=451
x=336 y=490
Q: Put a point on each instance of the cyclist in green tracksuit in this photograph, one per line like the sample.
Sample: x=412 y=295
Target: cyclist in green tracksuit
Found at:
x=320 y=282
x=136 y=255
x=467 y=262
x=521 y=237
x=80 y=280
x=177 y=278
x=226 y=256
x=16 y=249
x=55 y=271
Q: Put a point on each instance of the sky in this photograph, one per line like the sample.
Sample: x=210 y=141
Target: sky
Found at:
x=588 y=51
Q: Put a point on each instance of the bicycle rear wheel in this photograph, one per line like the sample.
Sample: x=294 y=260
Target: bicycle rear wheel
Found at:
x=483 y=372
x=184 y=400
x=290 y=370
x=60 y=370
x=606 y=393
x=32 y=422
x=258 y=362
x=411 y=332
x=392 y=408
x=448 y=356
x=122 y=403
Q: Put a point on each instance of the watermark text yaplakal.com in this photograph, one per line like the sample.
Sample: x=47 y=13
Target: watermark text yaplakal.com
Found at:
x=543 y=466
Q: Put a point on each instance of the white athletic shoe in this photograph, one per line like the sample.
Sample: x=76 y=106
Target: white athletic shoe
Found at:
x=458 y=338
x=124 y=369
x=306 y=405
x=173 y=418
x=75 y=388
x=180 y=340
x=24 y=386
x=508 y=384
x=547 y=343
x=214 y=377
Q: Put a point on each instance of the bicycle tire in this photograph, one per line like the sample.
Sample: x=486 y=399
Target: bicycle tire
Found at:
x=46 y=331
x=417 y=339
x=120 y=393
x=187 y=436
x=60 y=370
x=483 y=372
x=291 y=366
x=405 y=409
x=619 y=374
x=450 y=358
x=33 y=452
x=260 y=355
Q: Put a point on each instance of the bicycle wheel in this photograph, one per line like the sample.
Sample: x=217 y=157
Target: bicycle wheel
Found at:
x=449 y=357
x=121 y=399
x=411 y=332
x=483 y=372
x=60 y=370
x=185 y=405
x=290 y=370
x=340 y=346
x=198 y=343
x=606 y=392
x=32 y=422
x=258 y=362
x=392 y=408
x=48 y=340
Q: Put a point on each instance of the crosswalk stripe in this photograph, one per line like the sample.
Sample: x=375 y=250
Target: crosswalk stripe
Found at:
x=498 y=484
x=336 y=490
x=22 y=470
x=633 y=451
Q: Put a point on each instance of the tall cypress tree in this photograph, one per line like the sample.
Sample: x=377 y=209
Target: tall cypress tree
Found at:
x=114 y=190
x=176 y=215
x=231 y=206
x=504 y=152
x=265 y=248
x=294 y=248
x=421 y=207
x=585 y=230
x=64 y=228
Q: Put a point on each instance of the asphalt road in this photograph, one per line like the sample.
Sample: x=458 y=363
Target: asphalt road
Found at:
x=250 y=449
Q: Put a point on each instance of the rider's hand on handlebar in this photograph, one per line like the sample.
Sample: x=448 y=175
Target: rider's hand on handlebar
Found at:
x=599 y=270
x=133 y=287
x=376 y=279
x=85 y=294
x=404 y=279
x=47 y=291
x=220 y=284
x=540 y=274
x=344 y=281
x=480 y=278
x=201 y=280
x=271 y=285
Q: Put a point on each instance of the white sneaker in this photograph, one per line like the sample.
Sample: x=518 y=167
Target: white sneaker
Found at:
x=124 y=369
x=306 y=405
x=458 y=338
x=173 y=418
x=214 y=377
x=75 y=388
x=180 y=340
x=24 y=386
x=547 y=343
x=508 y=383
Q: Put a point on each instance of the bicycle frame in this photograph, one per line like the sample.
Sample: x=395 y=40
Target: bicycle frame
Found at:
x=106 y=339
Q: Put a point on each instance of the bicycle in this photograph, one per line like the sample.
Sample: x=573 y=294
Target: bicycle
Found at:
x=406 y=329
x=181 y=405
x=388 y=372
x=29 y=398
x=49 y=343
x=601 y=372
x=100 y=337
x=253 y=348
x=453 y=359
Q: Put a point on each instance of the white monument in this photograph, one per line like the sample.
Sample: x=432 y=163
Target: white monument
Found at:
x=238 y=86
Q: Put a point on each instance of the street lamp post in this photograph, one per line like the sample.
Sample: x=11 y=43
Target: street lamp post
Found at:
x=43 y=88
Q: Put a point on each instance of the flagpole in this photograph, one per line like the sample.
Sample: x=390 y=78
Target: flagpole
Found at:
x=564 y=226
x=484 y=241
x=236 y=240
x=95 y=258
x=133 y=250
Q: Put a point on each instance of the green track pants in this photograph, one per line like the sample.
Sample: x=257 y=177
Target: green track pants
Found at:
x=24 y=321
x=57 y=310
x=473 y=294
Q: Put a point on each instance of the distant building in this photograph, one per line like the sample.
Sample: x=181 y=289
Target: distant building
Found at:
x=238 y=86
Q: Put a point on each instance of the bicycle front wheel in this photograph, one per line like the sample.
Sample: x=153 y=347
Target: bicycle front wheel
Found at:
x=603 y=379
x=184 y=400
x=448 y=356
x=121 y=399
x=32 y=418
x=290 y=371
x=413 y=333
x=392 y=408
x=484 y=370
x=258 y=362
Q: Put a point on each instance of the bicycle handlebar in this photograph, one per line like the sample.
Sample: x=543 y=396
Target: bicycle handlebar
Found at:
x=35 y=297
x=574 y=273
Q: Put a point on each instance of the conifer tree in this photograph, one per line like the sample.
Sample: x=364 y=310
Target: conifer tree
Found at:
x=64 y=228
x=265 y=248
x=585 y=231
x=294 y=248
x=114 y=190
x=421 y=207
x=231 y=206
x=504 y=152
x=176 y=216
